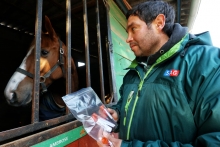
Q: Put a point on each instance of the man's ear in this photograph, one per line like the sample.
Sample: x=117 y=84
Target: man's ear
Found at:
x=160 y=21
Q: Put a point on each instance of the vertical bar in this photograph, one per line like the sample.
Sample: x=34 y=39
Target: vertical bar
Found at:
x=178 y=10
x=38 y=25
x=109 y=48
x=68 y=45
x=100 y=53
x=86 y=36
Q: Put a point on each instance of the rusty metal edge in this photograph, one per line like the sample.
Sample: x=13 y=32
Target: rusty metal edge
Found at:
x=10 y=134
x=42 y=136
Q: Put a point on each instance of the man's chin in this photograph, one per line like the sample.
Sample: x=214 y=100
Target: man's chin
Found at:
x=137 y=54
x=136 y=51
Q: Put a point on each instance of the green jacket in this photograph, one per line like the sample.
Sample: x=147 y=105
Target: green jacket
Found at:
x=172 y=98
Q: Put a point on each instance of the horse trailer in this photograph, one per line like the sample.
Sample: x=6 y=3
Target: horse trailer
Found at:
x=93 y=33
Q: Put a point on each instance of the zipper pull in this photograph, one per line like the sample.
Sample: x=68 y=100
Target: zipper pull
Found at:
x=125 y=118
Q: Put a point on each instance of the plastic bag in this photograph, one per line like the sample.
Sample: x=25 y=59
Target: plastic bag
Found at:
x=86 y=107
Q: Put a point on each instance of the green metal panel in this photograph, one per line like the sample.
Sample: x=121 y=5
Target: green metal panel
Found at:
x=122 y=53
x=116 y=12
x=63 y=139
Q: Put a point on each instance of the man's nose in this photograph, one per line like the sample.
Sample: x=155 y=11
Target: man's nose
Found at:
x=129 y=38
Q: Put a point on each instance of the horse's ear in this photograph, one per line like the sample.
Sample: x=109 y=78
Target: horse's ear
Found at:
x=49 y=28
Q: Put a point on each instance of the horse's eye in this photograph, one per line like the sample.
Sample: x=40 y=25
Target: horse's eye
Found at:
x=44 y=52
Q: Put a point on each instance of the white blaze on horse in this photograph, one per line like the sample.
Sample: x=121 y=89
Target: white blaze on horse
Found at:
x=19 y=90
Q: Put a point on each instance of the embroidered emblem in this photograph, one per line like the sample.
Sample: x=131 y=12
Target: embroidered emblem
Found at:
x=172 y=73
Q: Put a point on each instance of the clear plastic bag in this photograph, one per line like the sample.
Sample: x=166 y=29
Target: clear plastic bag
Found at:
x=86 y=107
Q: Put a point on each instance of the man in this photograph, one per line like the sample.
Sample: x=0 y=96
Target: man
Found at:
x=170 y=96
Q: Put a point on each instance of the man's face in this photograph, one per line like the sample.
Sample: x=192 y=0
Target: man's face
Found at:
x=142 y=39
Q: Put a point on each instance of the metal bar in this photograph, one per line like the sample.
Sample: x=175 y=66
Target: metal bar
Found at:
x=109 y=48
x=38 y=25
x=86 y=36
x=68 y=45
x=9 y=134
x=178 y=10
x=100 y=53
x=42 y=136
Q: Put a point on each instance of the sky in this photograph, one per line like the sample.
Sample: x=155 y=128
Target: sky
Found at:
x=208 y=19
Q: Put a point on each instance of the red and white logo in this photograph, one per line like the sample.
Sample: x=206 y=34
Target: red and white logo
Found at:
x=172 y=73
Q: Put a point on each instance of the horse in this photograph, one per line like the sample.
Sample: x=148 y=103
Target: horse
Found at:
x=19 y=89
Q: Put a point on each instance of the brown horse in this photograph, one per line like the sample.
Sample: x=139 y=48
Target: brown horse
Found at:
x=19 y=90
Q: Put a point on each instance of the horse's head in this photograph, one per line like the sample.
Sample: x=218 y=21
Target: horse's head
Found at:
x=19 y=89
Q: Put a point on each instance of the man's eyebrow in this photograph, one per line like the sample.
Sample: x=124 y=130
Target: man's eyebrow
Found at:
x=129 y=26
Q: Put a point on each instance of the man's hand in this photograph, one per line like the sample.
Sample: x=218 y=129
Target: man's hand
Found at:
x=114 y=142
x=113 y=113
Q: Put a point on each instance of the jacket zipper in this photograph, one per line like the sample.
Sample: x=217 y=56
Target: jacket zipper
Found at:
x=127 y=105
x=136 y=98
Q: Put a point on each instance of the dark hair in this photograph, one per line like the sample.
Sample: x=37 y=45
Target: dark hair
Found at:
x=148 y=11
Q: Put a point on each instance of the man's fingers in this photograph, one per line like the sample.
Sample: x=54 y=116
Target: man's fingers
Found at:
x=113 y=113
x=110 y=110
x=108 y=136
x=100 y=144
